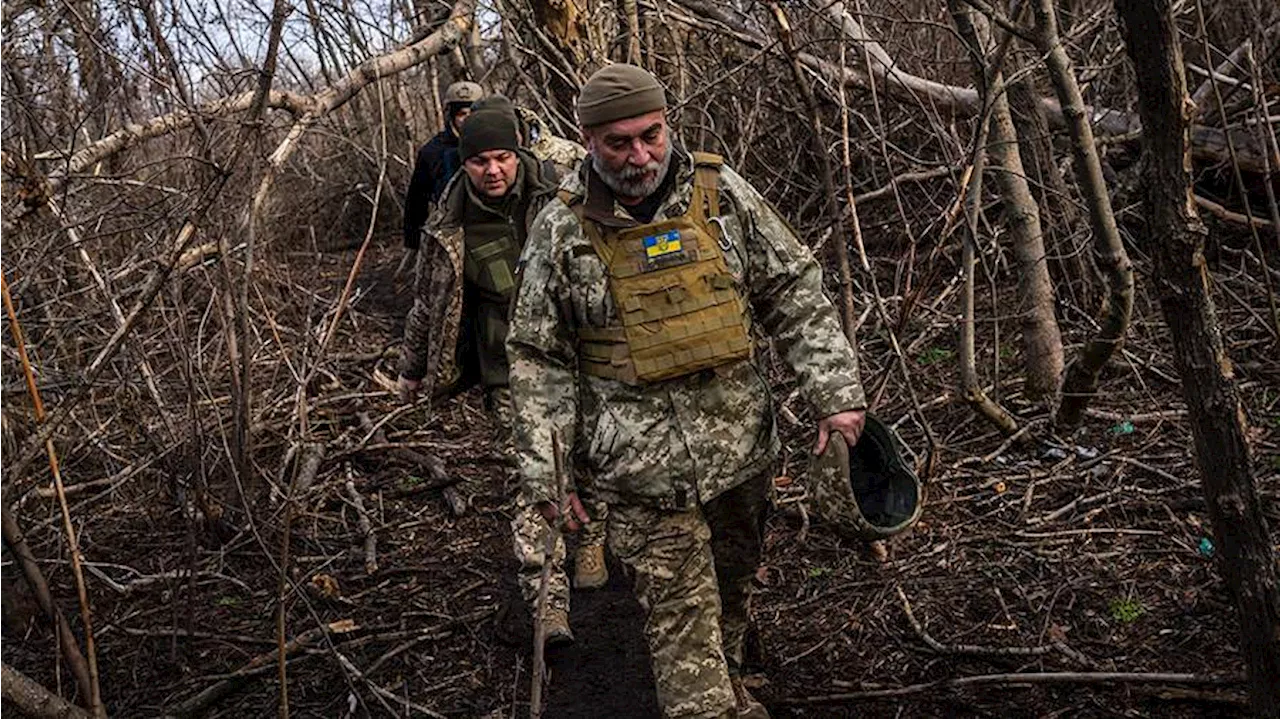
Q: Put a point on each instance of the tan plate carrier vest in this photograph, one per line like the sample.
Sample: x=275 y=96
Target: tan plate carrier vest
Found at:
x=679 y=307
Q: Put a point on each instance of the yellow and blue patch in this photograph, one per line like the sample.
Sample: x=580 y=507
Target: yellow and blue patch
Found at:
x=667 y=243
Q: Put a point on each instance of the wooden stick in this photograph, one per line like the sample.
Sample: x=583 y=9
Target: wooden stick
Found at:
x=983 y=650
x=544 y=586
x=32 y=699
x=257 y=665
x=1016 y=679
x=17 y=544
x=366 y=527
x=95 y=693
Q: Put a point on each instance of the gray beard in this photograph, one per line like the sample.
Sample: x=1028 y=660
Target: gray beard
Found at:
x=630 y=187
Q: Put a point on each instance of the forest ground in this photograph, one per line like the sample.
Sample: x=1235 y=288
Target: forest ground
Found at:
x=1091 y=555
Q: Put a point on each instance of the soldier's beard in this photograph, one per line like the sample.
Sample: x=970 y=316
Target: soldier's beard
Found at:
x=631 y=181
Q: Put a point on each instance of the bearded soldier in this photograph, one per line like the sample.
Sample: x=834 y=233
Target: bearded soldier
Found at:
x=642 y=284
x=456 y=331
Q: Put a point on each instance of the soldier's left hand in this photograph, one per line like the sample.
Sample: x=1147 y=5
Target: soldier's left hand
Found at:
x=849 y=424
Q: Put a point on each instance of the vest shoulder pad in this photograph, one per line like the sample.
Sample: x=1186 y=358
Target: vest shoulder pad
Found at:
x=707 y=159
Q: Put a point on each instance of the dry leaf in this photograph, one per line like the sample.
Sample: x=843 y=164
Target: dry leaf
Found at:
x=326 y=585
x=342 y=626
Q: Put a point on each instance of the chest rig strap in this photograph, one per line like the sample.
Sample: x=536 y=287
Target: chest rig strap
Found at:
x=678 y=306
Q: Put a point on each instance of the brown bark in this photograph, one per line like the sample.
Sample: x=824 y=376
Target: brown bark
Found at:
x=1082 y=376
x=971 y=201
x=17 y=543
x=1068 y=263
x=839 y=248
x=33 y=700
x=1041 y=339
x=1184 y=285
x=73 y=545
x=631 y=11
x=94 y=63
x=970 y=385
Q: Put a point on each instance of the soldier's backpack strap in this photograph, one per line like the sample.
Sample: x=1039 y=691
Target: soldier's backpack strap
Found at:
x=589 y=228
x=706 y=185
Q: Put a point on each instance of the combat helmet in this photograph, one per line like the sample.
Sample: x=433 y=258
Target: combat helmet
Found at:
x=866 y=491
x=463 y=93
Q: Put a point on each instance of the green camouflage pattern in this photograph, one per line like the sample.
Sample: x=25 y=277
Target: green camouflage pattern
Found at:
x=529 y=529
x=432 y=326
x=692 y=576
x=675 y=583
x=737 y=519
x=832 y=497
x=564 y=155
x=681 y=442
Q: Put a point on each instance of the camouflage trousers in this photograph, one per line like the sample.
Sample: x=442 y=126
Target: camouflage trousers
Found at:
x=529 y=530
x=692 y=575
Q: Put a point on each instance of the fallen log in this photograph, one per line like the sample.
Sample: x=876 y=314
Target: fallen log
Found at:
x=33 y=700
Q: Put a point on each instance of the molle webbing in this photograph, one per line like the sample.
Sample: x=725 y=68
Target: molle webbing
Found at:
x=679 y=307
x=491 y=256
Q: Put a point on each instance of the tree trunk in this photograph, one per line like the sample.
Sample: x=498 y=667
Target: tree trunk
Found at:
x=1041 y=339
x=1082 y=377
x=1070 y=263
x=1183 y=282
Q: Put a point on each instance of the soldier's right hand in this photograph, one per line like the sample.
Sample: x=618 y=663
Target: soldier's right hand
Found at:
x=574 y=519
x=407 y=389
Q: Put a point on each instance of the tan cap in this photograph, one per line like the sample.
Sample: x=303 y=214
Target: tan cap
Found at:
x=619 y=91
x=463 y=92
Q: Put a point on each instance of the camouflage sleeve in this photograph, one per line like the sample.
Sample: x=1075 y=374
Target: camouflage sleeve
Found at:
x=785 y=284
x=428 y=278
x=542 y=354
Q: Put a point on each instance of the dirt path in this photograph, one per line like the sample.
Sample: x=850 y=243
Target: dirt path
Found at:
x=606 y=672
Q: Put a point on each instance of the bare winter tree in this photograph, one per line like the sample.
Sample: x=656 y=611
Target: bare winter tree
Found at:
x=1185 y=288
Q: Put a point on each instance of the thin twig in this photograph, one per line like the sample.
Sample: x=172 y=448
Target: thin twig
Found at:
x=1019 y=679
x=86 y=617
x=544 y=585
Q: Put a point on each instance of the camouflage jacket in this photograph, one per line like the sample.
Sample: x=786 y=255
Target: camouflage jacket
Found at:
x=432 y=328
x=563 y=154
x=683 y=441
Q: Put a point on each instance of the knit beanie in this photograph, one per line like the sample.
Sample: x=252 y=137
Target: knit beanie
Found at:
x=619 y=91
x=499 y=102
x=488 y=129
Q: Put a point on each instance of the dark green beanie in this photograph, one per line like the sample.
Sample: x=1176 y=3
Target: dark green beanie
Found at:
x=619 y=91
x=502 y=103
x=488 y=129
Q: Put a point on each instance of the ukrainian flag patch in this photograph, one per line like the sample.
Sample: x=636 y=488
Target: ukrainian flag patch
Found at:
x=667 y=243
